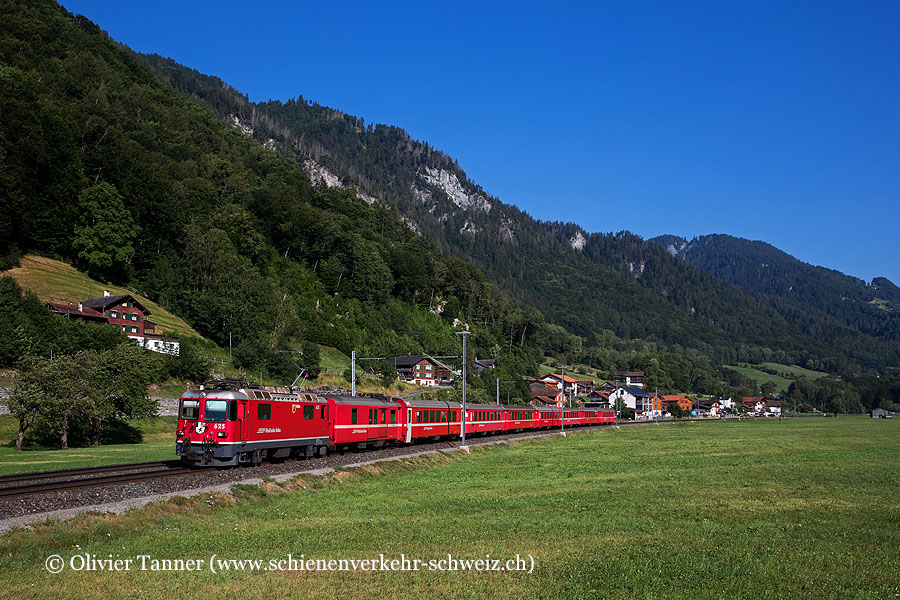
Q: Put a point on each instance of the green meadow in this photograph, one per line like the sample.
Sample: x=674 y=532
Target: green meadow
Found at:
x=807 y=508
x=158 y=435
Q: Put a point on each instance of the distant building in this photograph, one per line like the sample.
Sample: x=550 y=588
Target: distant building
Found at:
x=879 y=413
x=571 y=384
x=484 y=363
x=420 y=369
x=122 y=312
x=632 y=378
x=642 y=403
x=685 y=402
x=754 y=403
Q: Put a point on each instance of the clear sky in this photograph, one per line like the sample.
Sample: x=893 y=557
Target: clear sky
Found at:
x=777 y=121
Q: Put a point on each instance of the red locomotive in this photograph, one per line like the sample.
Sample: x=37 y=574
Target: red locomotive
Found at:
x=231 y=423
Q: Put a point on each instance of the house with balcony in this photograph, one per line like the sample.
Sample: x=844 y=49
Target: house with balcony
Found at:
x=122 y=312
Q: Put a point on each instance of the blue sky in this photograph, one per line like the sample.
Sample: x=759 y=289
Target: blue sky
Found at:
x=772 y=121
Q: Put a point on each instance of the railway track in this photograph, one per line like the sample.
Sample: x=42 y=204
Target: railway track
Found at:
x=27 y=484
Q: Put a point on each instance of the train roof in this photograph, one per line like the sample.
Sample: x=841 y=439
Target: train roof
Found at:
x=216 y=394
x=483 y=407
x=425 y=403
x=363 y=401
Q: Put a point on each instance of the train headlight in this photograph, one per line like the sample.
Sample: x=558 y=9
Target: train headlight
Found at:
x=222 y=434
x=180 y=433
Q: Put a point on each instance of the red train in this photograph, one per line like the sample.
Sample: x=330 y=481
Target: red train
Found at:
x=231 y=425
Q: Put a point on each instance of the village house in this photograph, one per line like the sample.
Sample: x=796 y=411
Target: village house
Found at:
x=571 y=384
x=122 y=312
x=685 y=402
x=725 y=404
x=644 y=404
x=421 y=370
x=632 y=378
x=484 y=363
x=755 y=404
x=711 y=406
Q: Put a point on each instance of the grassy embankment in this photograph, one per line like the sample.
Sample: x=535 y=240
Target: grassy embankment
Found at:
x=782 y=380
x=801 y=509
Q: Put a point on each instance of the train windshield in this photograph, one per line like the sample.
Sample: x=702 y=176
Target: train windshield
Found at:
x=190 y=410
x=215 y=410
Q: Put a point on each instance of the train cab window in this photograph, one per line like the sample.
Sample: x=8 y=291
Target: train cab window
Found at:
x=322 y=411
x=393 y=417
x=353 y=416
x=215 y=410
x=232 y=410
x=263 y=411
x=190 y=410
x=309 y=412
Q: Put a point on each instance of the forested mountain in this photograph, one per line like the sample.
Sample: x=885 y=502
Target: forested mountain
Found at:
x=606 y=288
x=102 y=164
x=872 y=309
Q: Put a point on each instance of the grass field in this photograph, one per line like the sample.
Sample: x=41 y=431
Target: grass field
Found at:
x=581 y=372
x=159 y=444
x=794 y=371
x=56 y=281
x=808 y=508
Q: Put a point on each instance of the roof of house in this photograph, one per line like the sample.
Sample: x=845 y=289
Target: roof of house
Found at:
x=630 y=373
x=636 y=391
x=557 y=377
x=676 y=398
x=751 y=399
x=409 y=360
x=104 y=302
x=71 y=309
x=486 y=362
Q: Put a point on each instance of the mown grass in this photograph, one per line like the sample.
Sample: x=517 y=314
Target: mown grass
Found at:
x=781 y=383
x=800 y=509
x=794 y=371
x=56 y=281
x=159 y=444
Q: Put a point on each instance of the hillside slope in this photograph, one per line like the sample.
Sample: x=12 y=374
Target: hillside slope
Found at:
x=55 y=281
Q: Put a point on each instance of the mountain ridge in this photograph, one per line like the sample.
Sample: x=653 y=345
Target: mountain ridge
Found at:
x=617 y=279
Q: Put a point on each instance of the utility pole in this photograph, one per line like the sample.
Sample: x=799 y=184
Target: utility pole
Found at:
x=353 y=373
x=498 y=391
x=562 y=414
x=462 y=424
x=229 y=347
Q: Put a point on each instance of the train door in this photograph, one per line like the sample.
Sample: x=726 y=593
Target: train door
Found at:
x=373 y=424
x=382 y=424
x=408 y=425
x=243 y=415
